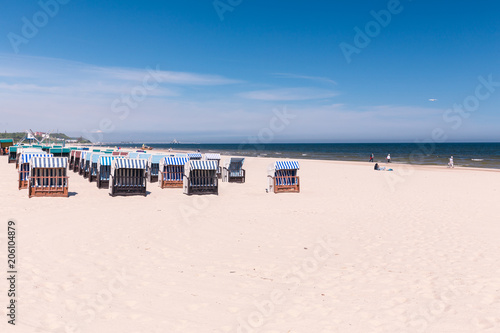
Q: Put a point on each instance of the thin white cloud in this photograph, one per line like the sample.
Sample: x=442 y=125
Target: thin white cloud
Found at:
x=305 y=77
x=289 y=94
x=165 y=77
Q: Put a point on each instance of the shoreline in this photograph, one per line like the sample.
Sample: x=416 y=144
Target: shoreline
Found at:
x=344 y=162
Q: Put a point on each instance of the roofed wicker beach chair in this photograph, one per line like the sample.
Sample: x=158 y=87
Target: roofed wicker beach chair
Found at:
x=4 y=146
x=171 y=172
x=233 y=171
x=83 y=158
x=24 y=167
x=71 y=159
x=12 y=154
x=48 y=177
x=194 y=156
x=215 y=157
x=104 y=170
x=87 y=161
x=153 y=167
x=128 y=177
x=94 y=159
x=76 y=160
x=200 y=177
x=282 y=177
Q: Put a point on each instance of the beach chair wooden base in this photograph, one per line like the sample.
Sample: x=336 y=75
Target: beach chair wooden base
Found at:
x=48 y=192
x=153 y=178
x=202 y=190
x=171 y=184
x=126 y=191
x=23 y=184
x=102 y=183
x=295 y=188
x=92 y=178
x=240 y=180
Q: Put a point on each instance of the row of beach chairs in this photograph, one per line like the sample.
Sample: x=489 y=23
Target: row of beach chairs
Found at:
x=126 y=173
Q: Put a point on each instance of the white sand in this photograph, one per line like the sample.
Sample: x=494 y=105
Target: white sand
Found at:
x=356 y=251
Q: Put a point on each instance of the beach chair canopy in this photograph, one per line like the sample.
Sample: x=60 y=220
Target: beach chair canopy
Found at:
x=105 y=160
x=156 y=158
x=88 y=156
x=194 y=155
x=4 y=143
x=127 y=163
x=211 y=156
x=200 y=165
x=143 y=156
x=95 y=157
x=286 y=165
x=173 y=161
x=26 y=157
x=133 y=155
x=49 y=162
x=30 y=150
x=13 y=149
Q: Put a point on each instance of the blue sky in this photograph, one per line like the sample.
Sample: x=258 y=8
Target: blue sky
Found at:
x=221 y=71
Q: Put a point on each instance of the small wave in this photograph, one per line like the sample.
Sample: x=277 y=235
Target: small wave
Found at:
x=477 y=159
x=304 y=154
x=277 y=153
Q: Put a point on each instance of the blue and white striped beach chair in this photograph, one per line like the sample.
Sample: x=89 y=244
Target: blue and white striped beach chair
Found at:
x=194 y=156
x=200 y=177
x=171 y=172
x=104 y=170
x=128 y=177
x=48 y=177
x=283 y=177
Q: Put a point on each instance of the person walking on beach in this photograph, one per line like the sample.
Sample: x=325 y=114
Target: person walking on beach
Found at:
x=389 y=158
x=372 y=157
x=450 y=163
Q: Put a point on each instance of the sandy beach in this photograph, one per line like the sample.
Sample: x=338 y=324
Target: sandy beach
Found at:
x=358 y=250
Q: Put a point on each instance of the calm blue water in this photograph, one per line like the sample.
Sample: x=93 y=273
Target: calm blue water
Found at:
x=483 y=155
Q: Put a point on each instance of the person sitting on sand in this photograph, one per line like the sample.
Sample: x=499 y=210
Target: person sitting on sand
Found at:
x=376 y=167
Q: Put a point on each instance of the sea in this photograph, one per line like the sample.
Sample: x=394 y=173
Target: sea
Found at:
x=477 y=155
